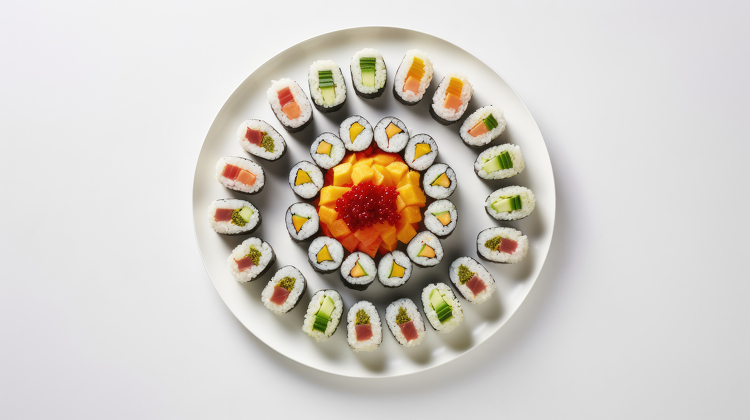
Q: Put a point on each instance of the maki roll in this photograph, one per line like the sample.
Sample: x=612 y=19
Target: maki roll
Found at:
x=259 y=139
x=290 y=105
x=394 y=269
x=356 y=133
x=325 y=254
x=499 y=162
x=230 y=216
x=323 y=314
x=471 y=279
x=327 y=150
x=284 y=290
x=420 y=152
x=306 y=179
x=441 y=307
x=240 y=174
x=391 y=135
x=358 y=271
x=250 y=259
x=425 y=250
x=441 y=218
x=502 y=245
x=327 y=87
x=363 y=329
x=510 y=203
x=405 y=322
x=368 y=73
x=483 y=126
x=302 y=221
x=413 y=77
x=451 y=98
x=439 y=181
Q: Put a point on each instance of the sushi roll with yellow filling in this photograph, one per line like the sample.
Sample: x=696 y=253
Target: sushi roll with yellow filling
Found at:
x=451 y=98
x=356 y=133
x=327 y=150
x=439 y=181
x=413 y=77
x=306 y=179
x=302 y=221
x=421 y=152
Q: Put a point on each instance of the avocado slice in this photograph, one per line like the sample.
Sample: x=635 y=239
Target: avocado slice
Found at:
x=442 y=181
x=358 y=271
x=324 y=315
x=367 y=67
x=443 y=310
x=246 y=213
x=492 y=165
x=397 y=270
x=506 y=204
x=302 y=177
x=327 y=87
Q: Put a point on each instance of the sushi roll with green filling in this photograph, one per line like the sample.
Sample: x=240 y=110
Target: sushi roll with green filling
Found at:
x=290 y=105
x=323 y=314
x=356 y=133
x=425 y=250
x=499 y=162
x=358 y=271
x=302 y=221
x=284 y=290
x=405 y=322
x=240 y=174
x=327 y=150
x=472 y=280
x=482 y=126
x=441 y=218
x=391 y=135
x=250 y=259
x=259 y=139
x=325 y=254
x=364 y=331
x=451 y=98
x=510 y=203
x=441 y=307
x=394 y=269
x=439 y=181
x=306 y=180
x=231 y=216
x=502 y=245
x=420 y=152
x=368 y=73
x=327 y=86
x=412 y=78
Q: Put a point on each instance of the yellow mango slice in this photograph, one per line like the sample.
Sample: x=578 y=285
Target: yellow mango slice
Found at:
x=302 y=177
x=298 y=221
x=354 y=131
x=421 y=150
x=392 y=130
x=324 y=255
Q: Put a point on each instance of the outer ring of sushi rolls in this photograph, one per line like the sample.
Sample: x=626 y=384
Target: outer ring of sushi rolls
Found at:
x=296 y=293
x=512 y=163
x=386 y=265
x=447 y=296
x=313 y=221
x=376 y=327
x=368 y=266
x=401 y=76
x=475 y=269
x=474 y=119
x=431 y=177
x=315 y=305
x=305 y=191
x=259 y=150
x=399 y=333
x=230 y=228
x=397 y=141
x=424 y=161
x=303 y=104
x=244 y=275
x=336 y=152
x=440 y=95
x=494 y=255
x=418 y=245
x=434 y=225
x=237 y=183
x=381 y=73
x=528 y=203
x=339 y=86
x=335 y=249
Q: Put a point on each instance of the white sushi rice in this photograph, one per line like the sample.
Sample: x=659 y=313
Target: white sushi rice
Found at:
x=309 y=228
x=449 y=298
x=424 y=161
x=367 y=263
x=415 y=246
x=528 y=202
x=279 y=145
x=334 y=248
x=432 y=174
x=377 y=329
x=304 y=104
x=434 y=225
x=338 y=151
x=380 y=71
x=245 y=164
x=413 y=312
x=363 y=139
x=403 y=70
x=516 y=158
x=386 y=264
x=315 y=302
x=481 y=272
x=502 y=257
x=241 y=251
x=338 y=81
x=474 y=119
x=438 y=99
x=229 y=228
x=294 y=294
x=310 y=189
x=396 y=143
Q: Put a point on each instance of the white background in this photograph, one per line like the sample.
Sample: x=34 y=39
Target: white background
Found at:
x=640 y=312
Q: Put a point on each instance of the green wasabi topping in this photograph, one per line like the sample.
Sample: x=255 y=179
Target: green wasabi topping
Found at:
x=267 y=143
x=402 y=317
x=287 y=283
x=464 y=274
x=237 y=218
x=494 y=242
x=254 y=254
x=362 y=318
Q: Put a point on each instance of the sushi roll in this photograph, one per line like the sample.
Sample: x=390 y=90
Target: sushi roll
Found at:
x=240 y=174
x=510 y=203
x=230 y=216
x=439 y=181
x=483 y=126
x=425 y=250
x=413 y=77
x=405 y=322
x=290 y=105
x=306 y=179
x=391 y=135
x=327 y=150
x=441 y=307
x=284 y=290
x=302 y=221
x=502 y=245
x=441 y=218
x=420 y=152
x=325 y=254
x=323 y=314
x=363 y=329
x=451 y=98
x=471 y=279
x=394 y=269
x=368 y=73
x=250 y=259
x=358 y=271
x=356 y=133
x=259 y=139
x=499 y=162
x=327 y=86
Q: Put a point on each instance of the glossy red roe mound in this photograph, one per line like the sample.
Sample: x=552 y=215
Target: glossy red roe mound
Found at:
x=367 y=204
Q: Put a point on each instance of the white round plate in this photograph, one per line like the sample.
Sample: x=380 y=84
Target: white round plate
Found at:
x=284 y=333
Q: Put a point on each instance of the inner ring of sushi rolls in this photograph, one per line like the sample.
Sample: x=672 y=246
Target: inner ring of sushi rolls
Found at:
x=258 y=138
x=502 y=245
x=356 y=133
x=471 y=279
x=290 y=104
x=451 y=98
x=441 y=218
x=231 y=216
x=510 y=203
x=306 y=179
x=240 y=174
x=425 y=250
x=441 y=307
x=391 y=135
x=412 y=78
x=302 y=221
x=499 y=162
x=327 y=150
x=327 y=86
x=323 y=314
x=364 y=332
x=394 y=269
x=325 y=254
x=368 y=73
x=482 y=126
x=250 y=259
x=420 y=152
x=358 y=271
x=405 y=322
x=439 y=181
x=284 y=290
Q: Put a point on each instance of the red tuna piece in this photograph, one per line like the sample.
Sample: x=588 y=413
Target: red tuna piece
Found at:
x=223 y=215
x=254 y=136
x=409 y=330
x=476 y=285
x=507 y=245
x=364 y=332
x=244 y=263
x=231 y=172
x=279 y=295
x=285 y=96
